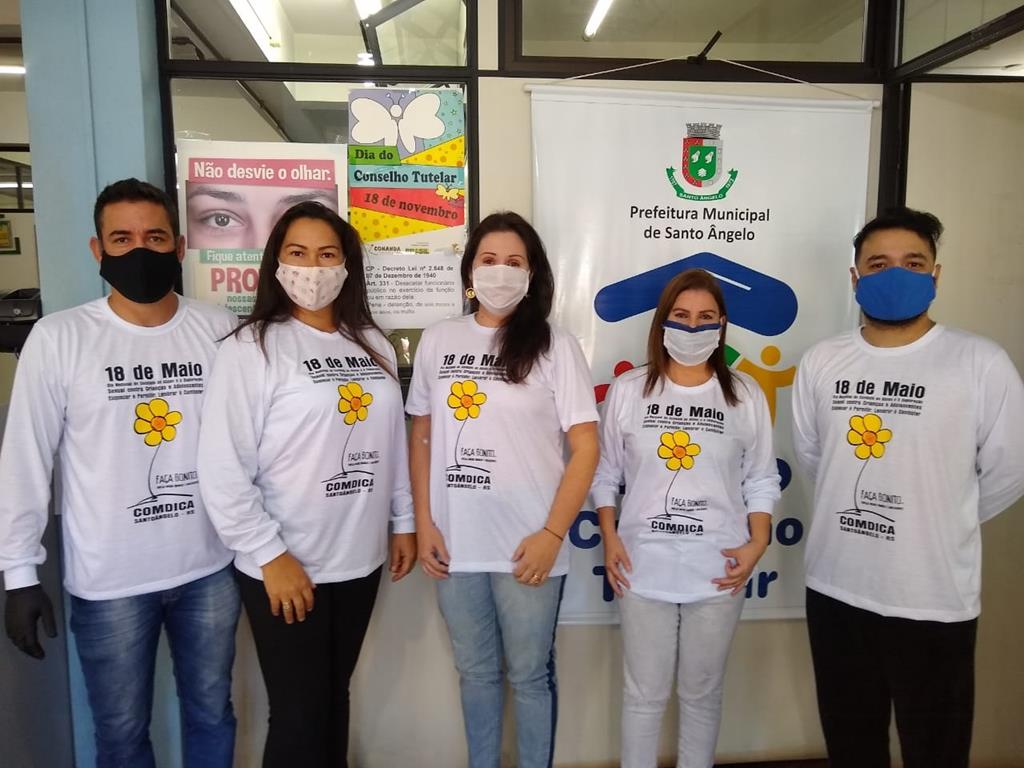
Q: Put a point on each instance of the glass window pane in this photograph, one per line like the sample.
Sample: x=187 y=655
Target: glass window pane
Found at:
x=424 y=32
x=752 y=30
x=431 y=33
x=307 y=112
x=928 y=24
x=15 y=181
x=1002 y=59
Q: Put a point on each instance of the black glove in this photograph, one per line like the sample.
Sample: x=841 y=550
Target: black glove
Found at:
x=24 y=607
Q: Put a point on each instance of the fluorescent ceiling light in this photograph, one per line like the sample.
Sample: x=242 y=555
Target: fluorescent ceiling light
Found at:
x=596 y=17
x=6 y=69
x=366 y=8
x=14 y=185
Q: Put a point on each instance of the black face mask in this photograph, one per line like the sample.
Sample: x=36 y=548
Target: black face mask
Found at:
x=141 y=275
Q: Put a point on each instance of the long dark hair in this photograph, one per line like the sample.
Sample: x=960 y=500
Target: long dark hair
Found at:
x=350 y=310
x=525 y=335
x=657 y=355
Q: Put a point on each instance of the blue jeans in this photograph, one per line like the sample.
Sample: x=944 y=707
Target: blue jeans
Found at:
x=491 y=617
x=117 y=642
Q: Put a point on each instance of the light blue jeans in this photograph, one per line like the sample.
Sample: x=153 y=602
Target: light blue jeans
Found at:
x=117 y=642
x=491 y=617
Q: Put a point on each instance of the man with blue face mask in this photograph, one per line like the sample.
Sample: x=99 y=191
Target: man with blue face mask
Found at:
x=913 y=433
x=114 y=388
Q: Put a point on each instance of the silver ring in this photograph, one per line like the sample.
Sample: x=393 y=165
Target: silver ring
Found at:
x=535 y=579
x=286 y=605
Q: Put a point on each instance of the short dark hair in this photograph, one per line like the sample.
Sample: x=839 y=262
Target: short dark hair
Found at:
x=133 y=191
x=922 y=223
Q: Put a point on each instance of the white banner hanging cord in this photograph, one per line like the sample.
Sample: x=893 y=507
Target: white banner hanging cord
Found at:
x=724 y=61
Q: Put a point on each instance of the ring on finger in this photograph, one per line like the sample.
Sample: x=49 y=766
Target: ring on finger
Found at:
x=535 y=579
x=286 y=605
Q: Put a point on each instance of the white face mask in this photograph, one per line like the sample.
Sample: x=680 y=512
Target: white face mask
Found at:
x=311 y=288
x=499 y=288
x=691 y=346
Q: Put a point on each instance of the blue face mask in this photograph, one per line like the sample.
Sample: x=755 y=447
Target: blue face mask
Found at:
x=895 y=294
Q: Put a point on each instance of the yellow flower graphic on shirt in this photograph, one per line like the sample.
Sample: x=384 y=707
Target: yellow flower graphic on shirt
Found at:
x=353 y=402
x=677 y=450
x=465 y=400
x=156 y=421
x=867 y=435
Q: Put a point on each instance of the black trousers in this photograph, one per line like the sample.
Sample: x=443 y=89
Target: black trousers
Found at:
x=307 y=667
x=866 y=665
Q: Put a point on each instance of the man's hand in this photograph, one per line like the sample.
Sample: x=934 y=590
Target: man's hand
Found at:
x=24 y=608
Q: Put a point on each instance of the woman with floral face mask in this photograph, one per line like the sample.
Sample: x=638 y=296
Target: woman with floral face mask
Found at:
x=691 y=440
x=495 y=396
x=303 y=466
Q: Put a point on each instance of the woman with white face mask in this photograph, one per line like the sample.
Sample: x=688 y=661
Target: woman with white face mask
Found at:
x=303 y=465
x=691 y=440
x=495 y=397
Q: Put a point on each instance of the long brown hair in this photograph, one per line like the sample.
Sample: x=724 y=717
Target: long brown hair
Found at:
x=657 y=355
x=525 y=335
x=350 y=310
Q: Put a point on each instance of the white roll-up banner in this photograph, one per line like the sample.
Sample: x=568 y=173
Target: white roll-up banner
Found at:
x=631 y=188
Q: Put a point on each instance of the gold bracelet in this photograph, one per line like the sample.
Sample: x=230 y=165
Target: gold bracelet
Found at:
x=560 y=538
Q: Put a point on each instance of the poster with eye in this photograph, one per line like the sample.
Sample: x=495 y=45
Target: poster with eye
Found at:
x=406 y=169
x=230 y=195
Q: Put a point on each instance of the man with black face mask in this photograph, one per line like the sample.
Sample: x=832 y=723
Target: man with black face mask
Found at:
x=114 y=388
x=912 y=431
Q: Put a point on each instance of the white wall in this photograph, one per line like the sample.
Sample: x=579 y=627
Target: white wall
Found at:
x=980 y=201
x=13 y=118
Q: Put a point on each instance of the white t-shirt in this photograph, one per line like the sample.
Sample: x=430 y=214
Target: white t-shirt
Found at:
x=912 y=448
x=694 y=467
x=303 y=449
x=120 y=404
x=496 y=449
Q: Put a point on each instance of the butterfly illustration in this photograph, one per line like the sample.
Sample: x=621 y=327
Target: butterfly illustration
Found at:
x=449 y=193
x=375 y=122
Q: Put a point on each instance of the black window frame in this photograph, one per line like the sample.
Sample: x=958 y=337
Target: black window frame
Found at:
x=879 y=65
x=170 y=69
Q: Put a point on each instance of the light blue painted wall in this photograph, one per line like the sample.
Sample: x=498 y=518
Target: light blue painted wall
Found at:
x=94 y=117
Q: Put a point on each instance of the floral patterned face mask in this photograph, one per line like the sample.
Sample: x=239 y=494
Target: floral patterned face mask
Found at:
x=312 y=288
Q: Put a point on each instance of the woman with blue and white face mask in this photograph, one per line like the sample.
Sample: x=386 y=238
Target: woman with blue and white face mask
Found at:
x=691 y=439
x=496 y=397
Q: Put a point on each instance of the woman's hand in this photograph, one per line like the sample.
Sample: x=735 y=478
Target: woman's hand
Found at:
x=433 y=553
x=535 y=557
x=616 y=562
x=739 y=564
x=403 y=554
x=288 y=587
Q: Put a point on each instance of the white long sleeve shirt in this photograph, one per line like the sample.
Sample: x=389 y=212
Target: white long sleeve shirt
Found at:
x=304 y=449
x=912 y=448
x=496 y=449
x=694 y=467
x=120 y=405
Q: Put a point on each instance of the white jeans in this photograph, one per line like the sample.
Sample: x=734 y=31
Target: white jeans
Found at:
x=655 y=634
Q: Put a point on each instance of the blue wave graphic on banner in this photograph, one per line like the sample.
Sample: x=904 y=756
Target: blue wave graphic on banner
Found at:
x=755 y=301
